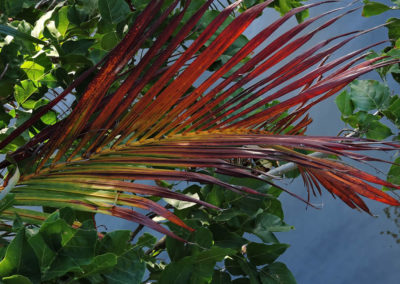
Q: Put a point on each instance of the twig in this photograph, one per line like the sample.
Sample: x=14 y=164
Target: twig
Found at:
x=279 y=171
x=160 y=244
x=4 y=71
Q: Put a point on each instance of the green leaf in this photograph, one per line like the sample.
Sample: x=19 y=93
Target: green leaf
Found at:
x=116 y=242
x=194 y=269
x=178 y=272
x=109 y=40
x=78 y=47
x=233 y=266
x=56 y=232
x=41 y=23
x=81 y=246
x=215 y=196
x=220 y=277
x=50 y=81
x=77 y=16
x=146 y=240
x=113 y=11
x=33 y=70
x=284 y=6
x=393 y=111
x=64 y=249
x=6 y=87
x=260 y=254
x=100 y=263
x=49 y=118
x=242 y=281
x=203 y=237
x=225 y=238
x=267 y=223
x=393 y=28
x=16 y=279
x=129 y=269
x=303 y=15
x=229 y=214
x=6 y=202
x=43 y=252
x=6 y=30
x=393 y=175
x=61 y=21
x=176 y=249
x=13 y=7
x=24 y=90
x=205 y=262
x=395 y=53
x=277 y=273
x=369 y=125
x=67 y=214
x=193 y=7
x=373 y=8
x=377 y=130
x=344 y=103
x=369 y=94
x=179 y=204
x=242 y=267
x=20 y=259
x=59 y=267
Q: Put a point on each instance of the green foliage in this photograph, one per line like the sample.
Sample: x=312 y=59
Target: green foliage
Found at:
x=61 y=249
x=222 y=238
x=373 y=8
x=6 y=30
x=362 y=97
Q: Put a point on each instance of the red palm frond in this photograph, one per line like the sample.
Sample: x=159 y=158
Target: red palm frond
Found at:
x=171 y=129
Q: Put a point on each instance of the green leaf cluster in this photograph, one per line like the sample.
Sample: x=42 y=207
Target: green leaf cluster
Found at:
x=359 y=100
x=220 y=250
x=64 y=250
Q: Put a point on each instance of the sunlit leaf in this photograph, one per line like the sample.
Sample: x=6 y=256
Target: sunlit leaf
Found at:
x=372 y=8
x=20 y=259
x=6 y=30
x=33 y=70
x=24 y=90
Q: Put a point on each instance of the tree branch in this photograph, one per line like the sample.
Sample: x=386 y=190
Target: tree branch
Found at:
x=280 y=171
